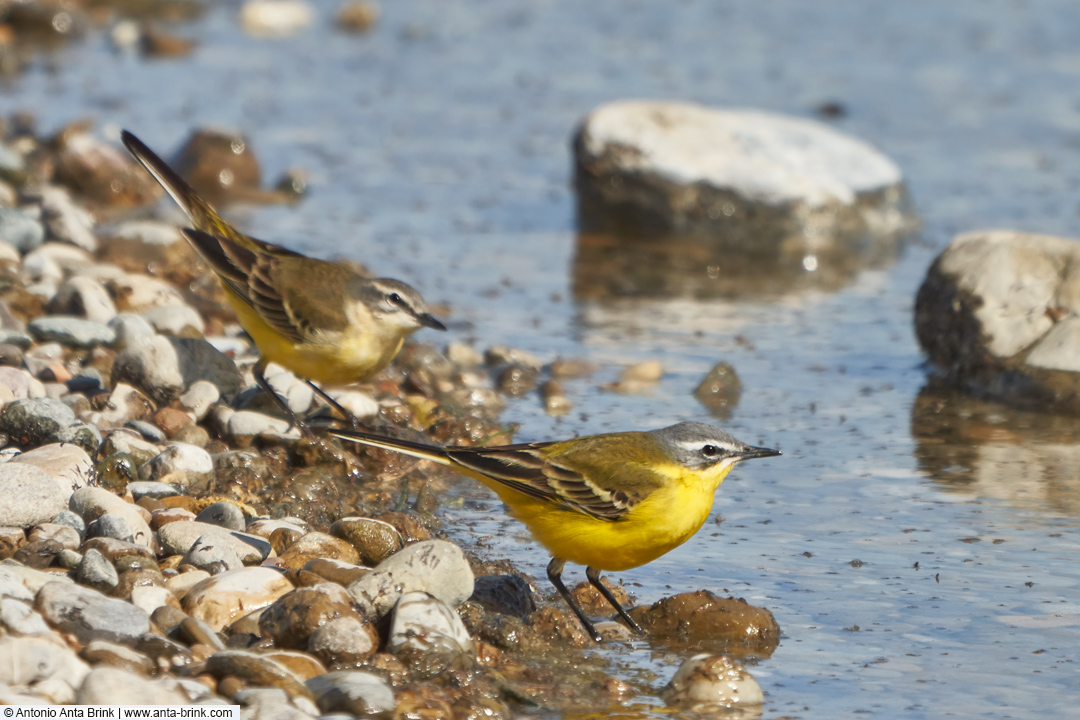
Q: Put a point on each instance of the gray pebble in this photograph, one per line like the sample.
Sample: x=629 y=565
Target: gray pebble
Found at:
x=89 y=615
x=433 y=566
x=426 y=634
x=181 y=462
x=110 y=525
x=40 y=421
x=20 y=230
x=143 y=488
x=212 y=554
x=72 y=520
x=113 y=686
x=31 y=496
x=52 y=670
x=65 y=220
x=130 y=329
x=506 y=594
x=71 y=331
x=69 y=465
x=18 y=338
x=175 y=319
x=96 y=571
x=225 y=514
x=69 y=559
x=177 y=538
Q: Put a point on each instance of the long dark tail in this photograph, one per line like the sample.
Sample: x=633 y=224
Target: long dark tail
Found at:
x=408 y=447
x=202 y=214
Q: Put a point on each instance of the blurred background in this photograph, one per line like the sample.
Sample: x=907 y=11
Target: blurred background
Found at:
x=435 y=139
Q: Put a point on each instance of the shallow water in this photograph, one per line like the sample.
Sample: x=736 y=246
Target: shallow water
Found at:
x=438 y=148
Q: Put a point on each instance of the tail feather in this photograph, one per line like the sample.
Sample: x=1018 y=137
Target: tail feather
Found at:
x=202 y=215
x=407 y=447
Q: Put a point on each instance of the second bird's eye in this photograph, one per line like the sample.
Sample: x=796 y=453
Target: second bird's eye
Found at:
x=710 y=451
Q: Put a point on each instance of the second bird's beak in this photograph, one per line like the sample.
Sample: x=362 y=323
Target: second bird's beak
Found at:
x=757 y=452
x=428 y=320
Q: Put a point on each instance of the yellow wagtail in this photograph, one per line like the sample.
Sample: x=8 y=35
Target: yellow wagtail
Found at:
x=609 y=502
x=320 y=319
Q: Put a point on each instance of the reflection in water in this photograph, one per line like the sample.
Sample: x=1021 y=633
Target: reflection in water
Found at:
x=611 y=266
x=979 y=448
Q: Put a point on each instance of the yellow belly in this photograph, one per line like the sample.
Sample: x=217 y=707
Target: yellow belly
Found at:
x=348 y=359
x=658 y=525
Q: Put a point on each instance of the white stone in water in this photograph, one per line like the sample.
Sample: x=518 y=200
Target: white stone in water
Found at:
x=352 y=691
x=179 y=462
x=761 y=156
x=360 y=404
x=713 y=680
x=246 y=424
x=275 y=17
x=424 y=623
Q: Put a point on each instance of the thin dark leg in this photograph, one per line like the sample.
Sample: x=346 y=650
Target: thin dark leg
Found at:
x=259 y=372
x=353 y=420
x=594 y=577
x=554 y=573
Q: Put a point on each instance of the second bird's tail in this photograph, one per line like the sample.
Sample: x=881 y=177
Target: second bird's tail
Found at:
x=407 y=447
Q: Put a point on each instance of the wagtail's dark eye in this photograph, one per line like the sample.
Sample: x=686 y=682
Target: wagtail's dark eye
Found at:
x=396 y=299
x=710 y=451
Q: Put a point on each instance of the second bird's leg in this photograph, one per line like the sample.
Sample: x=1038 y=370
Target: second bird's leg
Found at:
x=554 y=573
x=594 y=577
x=259 y=371
x=349 y=417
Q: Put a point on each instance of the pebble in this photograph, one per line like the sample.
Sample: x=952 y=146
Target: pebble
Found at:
x=42 y=665
x=150 y=597
x=21 y=231
x=213 y=555
x=71 y=331
x=360 y=404
x=426 y=634
x=256 y=669
x=344 y=641
x=433 y=566
x=96 y=571
x=146 y=488
x=713 y=620
x=335 y=571
x=31 y=495
x=110 y=525
x=224 y=514
x=103 y=652
x=177 y=538
x=116 y=686
x=295 y=616
x=93 y=502
x=148 y=431
x=222 y=598
x=318 y=545
x=357 y=15
x=179 y=585
x=17 y=338
x=88 y=614
x=199 y=398
x=67 y=536
x=179 y=463
x=23 y=583
x=712 y=681
x=65 y=221
x=131 y=330
x=11 y=539
x=498 y=355
x=38 y=554
x=301 y=663
x=352 y=691
x=556 y=403
x=40 y=421
x=18 y=618
x=374 y=540
x=137 y=293
x=175 y=319
x=84 y=297
x=244 y=426
x=506 y=594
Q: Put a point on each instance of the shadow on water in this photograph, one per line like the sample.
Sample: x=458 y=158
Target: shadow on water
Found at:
x=976 y=448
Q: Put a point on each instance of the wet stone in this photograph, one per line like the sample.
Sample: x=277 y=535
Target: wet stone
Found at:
x=517 y=380
x=140 y=489
x=196 y=631
x=318 y=545
x=374 y=540
x=720 y=390
x=178 y=537
x=167 y=617
x=706 y=683
x=223 y=598
x=145 y=592
x=69 y=559
x=11 y=539
x=180 y=584
x=257 y=670
x=344 y=641
x=180 y=463
x=40 y=421
x=69 y=465
x=704 y=620
x=93 y=502
x=351 y=691
x=432 y=566
x=336 y=571
x=88 y=614
x=84 y=297
x=38 y=553
x=66 y=536
x=294 y=617
x=427 y=635
x=506 y=594
x=224 y=514
x=129 y=580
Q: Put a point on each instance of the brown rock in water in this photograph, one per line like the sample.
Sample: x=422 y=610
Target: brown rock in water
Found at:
x=720 y=390
x=374 y=540
x=594 y=604
x=11 y=539
x=257 y=670
x=294 y=617
x=101 y=172
x=704 y=621
x=318 y=545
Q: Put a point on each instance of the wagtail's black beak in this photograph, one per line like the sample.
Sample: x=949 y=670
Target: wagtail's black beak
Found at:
x=428 y=320
x=757 y=452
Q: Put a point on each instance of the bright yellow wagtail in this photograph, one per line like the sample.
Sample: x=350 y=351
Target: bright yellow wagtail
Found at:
x=608 y=502
x=322 y=320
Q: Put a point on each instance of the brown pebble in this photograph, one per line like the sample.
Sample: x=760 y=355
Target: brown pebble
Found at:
x=171 y=420
x=702 y=621
x=103 y=652
x=67 y=536
x=357 y=16
x=229 y=685
x=193 y=435
x=293 y=617
x=282 y=538
x=560 y=626
x=571 y=368
x=11 y=539
x=317 y=544
x=410 y=526
x=374 y=540
x=301 y=663
x=156 y=43
x=167 y=617
x=150 y=504
x=258 y=670
x=136 y=578
x=165 y=515
x=196 y=631
x=112 y=548
x=38 y=554
x=335 y=571
x=593 y=603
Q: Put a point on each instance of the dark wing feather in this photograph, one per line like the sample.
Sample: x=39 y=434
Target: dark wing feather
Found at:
x=524 y=469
